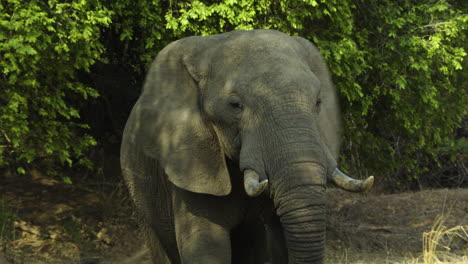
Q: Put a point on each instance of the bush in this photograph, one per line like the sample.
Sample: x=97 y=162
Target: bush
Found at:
x=43 y=45
x=397 y=65
x=413 y=98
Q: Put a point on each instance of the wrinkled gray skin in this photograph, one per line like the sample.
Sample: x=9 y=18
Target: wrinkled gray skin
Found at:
x=213 y=107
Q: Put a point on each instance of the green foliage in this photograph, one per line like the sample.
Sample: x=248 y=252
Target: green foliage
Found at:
x=141 y=29
x=412 y=97
x=43 y=45
x=399 y=66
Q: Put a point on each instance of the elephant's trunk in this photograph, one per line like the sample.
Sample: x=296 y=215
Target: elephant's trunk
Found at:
x=296 y=166
x=300 y=204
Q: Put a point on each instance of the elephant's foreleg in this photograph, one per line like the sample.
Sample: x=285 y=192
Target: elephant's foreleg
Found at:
x=200 y=236
x=158 y=253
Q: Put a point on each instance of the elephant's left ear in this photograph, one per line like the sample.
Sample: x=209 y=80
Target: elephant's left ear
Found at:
x=174 y=132
x=329 y=116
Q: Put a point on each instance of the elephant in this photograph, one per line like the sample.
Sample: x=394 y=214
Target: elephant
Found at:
x=228 y=150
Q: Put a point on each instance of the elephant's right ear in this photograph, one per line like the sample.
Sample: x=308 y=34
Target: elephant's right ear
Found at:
x=171 y=126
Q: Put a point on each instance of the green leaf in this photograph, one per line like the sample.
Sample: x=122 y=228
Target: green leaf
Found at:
x=67 y=180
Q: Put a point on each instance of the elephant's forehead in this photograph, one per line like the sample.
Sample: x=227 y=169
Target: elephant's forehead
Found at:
x=254 y=47
x=258 y=41
x=256 y=50
x=279 y=72
x=260 y=61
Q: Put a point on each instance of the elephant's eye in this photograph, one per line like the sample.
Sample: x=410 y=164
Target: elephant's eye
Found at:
x=318 y=104
x=236 y=104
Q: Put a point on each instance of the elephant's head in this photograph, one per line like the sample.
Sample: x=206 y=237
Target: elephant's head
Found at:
x=262 y=99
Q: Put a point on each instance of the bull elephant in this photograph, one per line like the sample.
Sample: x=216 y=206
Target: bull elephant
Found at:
x=228 y=149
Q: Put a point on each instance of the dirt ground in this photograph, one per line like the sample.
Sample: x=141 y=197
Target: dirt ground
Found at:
x=91 y=222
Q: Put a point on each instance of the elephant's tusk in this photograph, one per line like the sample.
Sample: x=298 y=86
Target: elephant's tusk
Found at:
x=253 y=186
x=349 y=184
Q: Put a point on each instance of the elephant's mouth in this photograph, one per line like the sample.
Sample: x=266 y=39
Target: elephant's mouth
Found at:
x=254 y=187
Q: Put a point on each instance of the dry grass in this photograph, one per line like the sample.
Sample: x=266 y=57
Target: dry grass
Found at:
x=437 y=244
x=436 y=249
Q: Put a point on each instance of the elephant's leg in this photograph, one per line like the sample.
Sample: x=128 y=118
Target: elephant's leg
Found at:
x=158 y=253
x=276 y=242
x=201 y=236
